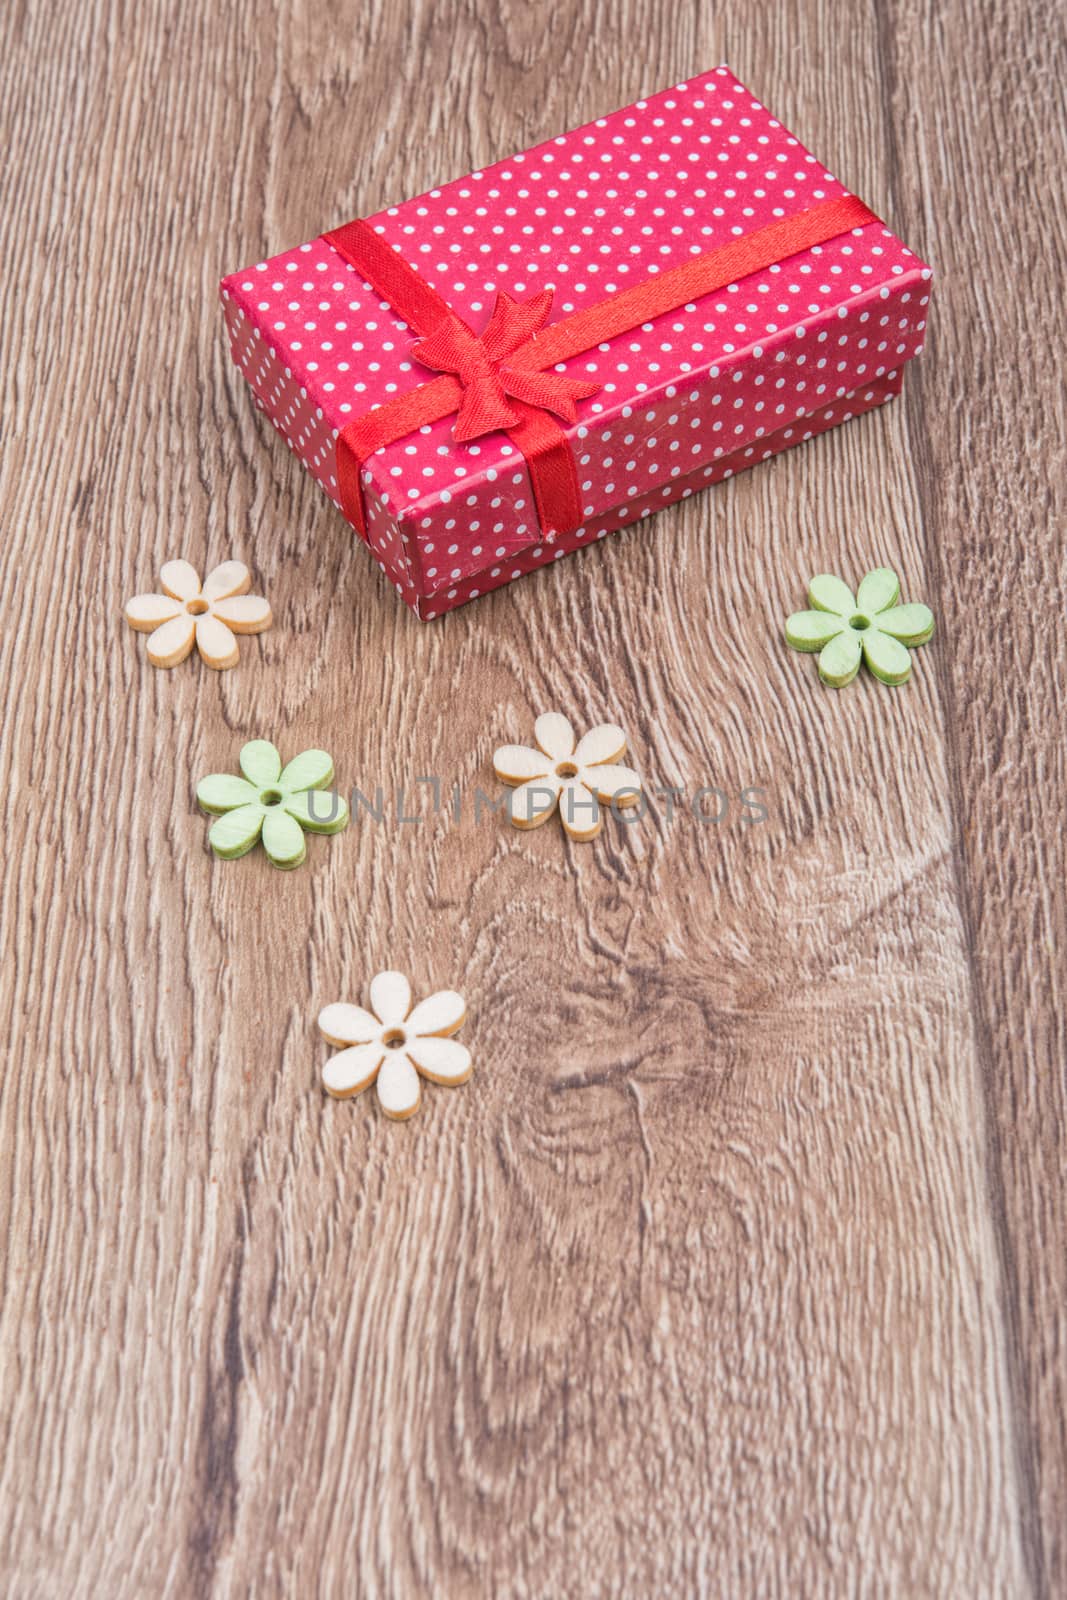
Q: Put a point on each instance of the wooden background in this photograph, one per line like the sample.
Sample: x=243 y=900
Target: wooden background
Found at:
x=739 y=1267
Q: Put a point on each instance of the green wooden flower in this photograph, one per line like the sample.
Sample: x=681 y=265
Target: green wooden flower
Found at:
x=273 y=801
x=872 y=627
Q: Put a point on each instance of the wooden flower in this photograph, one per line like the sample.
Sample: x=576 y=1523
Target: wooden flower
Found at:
x=578 y=776
x=871 y=627
x=270 y=802
x=208 y=615
x=393 y=1044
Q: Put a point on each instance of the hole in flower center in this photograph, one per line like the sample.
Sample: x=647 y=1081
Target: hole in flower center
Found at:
x=271 y=797
x=394 y=1038
x=566 y=769
x=196 y=608
x=859 y=622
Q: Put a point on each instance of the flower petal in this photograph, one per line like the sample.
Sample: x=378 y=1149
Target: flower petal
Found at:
x=441 y=1060
x=312 y=769
x=181 y=580
x=398 y=1086
x=217 y=645
x=261 y=763
x=840 y=659
x=232 y=577
x=342 y=1023
x=438 y=1014
x=810 y=630
x=318 y=810
x=607 y=783
x=579 y=811
x=146 y=611
x=283 y=839
x=827 y=593
x=877 y=591
x=346 y=1074
x=172 y=642
x=912 y=624
x=244 y=613
x=390 y=998
x=533 y=803
x=887 y=658
x=222 y=791
x=517 y=763
x=555 y=735
x=235 y=833
x=605 y=742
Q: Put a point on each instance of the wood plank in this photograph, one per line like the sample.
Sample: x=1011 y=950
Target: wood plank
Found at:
x=737 y=1267
x=992 y=493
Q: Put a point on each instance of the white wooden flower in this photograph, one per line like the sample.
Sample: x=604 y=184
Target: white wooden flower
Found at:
x=578 y=776
x=394 y=1044
x=208 y=615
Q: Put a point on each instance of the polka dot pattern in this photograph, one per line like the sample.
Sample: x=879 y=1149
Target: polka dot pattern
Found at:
x=685 y=400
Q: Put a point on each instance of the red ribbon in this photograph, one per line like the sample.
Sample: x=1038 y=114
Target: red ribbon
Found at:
x=491 y=368
x=499 y=379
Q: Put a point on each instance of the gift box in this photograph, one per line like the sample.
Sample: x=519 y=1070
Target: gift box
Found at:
x=516 y=364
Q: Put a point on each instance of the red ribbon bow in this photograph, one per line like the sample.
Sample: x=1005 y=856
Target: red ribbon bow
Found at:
x=479 y=363
x=500 y=379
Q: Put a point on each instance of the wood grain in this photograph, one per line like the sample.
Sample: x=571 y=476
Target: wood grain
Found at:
x=739 y=1266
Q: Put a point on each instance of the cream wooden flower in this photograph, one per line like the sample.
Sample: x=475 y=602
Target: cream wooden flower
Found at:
x=208 y=615
x=577 y=775
x=393 y=1044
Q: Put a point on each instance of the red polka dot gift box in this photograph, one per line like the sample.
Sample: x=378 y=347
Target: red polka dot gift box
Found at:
x=518 y=363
